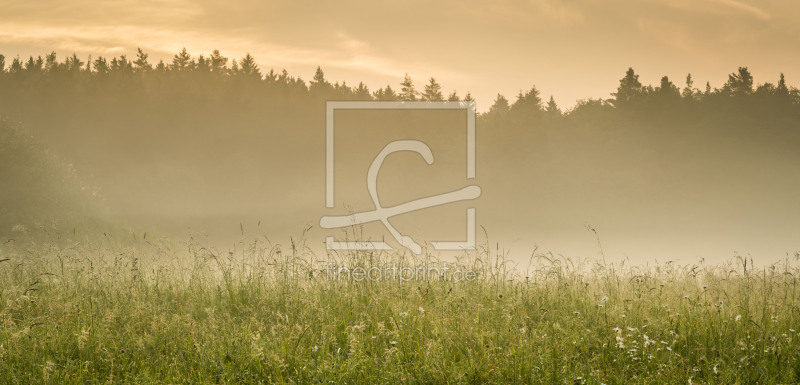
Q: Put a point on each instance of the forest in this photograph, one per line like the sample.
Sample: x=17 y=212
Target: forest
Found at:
x=212 y=137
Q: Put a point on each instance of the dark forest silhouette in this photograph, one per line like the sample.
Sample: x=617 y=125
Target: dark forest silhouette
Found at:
x=208 y=135
x=72 y=83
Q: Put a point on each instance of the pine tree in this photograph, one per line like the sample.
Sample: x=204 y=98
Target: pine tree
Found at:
x=34 y=65
x=248 y=67
x=16 y=66
x=630 y=88
x=218 y=62
x=73 y=63
x=121 y=64
x=552 y=108
x=468 y=97
x=527 y=105
x=739 y=83
x=782 y=89
x=51 y=63
x=203 y=64
x=667 y=90
x=161 y=66
x=688 y=91
x=500 y=106
x=407 y=91
x=387 y=94
x=141 y=63
x=362 y=92
x=2 y=63
x=181 y=61
x=101 y=66
x=453 y=97
x=433 y=91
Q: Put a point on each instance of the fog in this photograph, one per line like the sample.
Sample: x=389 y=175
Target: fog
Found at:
x=199 y=147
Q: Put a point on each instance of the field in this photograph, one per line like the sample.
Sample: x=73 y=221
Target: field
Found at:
x=155 y=311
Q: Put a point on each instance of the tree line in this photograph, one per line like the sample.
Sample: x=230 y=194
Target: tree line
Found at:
x=215 y=78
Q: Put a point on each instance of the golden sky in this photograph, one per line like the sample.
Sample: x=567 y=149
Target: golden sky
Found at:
x=570 y=49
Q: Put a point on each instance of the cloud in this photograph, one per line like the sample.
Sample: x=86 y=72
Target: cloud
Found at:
x=746 y=8
x=716 y=7
x=559 y=11
x=348 y=53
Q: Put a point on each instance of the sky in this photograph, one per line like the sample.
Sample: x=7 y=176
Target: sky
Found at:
x=570 y=49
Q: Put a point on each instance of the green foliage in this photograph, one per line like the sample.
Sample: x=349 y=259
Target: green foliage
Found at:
x=39 y=190
x=160 y=313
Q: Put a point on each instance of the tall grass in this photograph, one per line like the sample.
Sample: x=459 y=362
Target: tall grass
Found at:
x=160 y=312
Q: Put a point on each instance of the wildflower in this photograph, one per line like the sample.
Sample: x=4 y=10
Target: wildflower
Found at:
x=403 y=314
x=623 y=316
x=617 y=329
x=421 y=310
x=600 y=305
x=715 y=369
x=393 y=343
x=738 y=317
x=314 y=349
x=774 y=318
x=685 y=297
x=647 y=340
x=576 y=313
x=630 y=329
x=604 y=299
x=705 y=287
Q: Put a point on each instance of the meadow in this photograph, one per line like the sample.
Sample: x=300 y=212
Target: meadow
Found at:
x=150 y=311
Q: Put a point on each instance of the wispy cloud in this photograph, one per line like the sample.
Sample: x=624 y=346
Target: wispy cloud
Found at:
x=348 y=53
x=716 y=7
x=745 y=8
